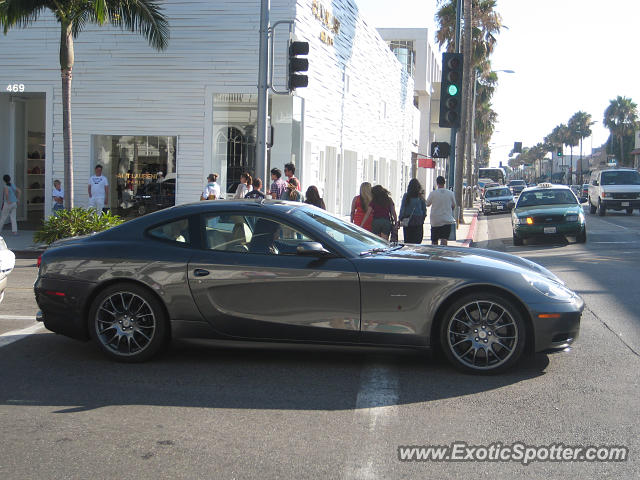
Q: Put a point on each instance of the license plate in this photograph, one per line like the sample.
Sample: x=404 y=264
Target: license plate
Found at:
x=625 y=204
x=500 y=207
x=549 y=229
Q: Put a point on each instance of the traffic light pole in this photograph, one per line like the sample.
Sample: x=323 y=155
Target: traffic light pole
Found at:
x=263 y=94
x=454 y=131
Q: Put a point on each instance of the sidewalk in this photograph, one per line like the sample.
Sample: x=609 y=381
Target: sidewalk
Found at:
x=22 y=244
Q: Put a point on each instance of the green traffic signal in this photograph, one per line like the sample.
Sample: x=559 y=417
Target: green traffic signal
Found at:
x=453 y=90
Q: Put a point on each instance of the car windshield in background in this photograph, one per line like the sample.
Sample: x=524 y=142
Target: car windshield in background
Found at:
x=499 y=192
x=546 y=197
x=513 y=183
x=350 y=236
x=621 y=178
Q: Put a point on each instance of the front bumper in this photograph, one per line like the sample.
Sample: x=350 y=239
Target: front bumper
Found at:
x=557 y=326
x=620 y=204
x=494 y=207
x=528 y=231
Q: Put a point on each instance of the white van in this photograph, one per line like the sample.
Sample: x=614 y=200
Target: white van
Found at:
x=614 y=189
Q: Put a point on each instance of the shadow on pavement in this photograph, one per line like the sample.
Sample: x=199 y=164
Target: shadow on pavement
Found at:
x=50 y=370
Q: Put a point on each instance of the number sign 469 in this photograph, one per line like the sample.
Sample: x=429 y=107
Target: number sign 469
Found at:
x=15 y=87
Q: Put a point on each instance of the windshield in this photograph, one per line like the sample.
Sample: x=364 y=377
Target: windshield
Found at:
x=499 y=192
x=621 y=178
x=547 y=197
x=516 y=182
x=350 y=236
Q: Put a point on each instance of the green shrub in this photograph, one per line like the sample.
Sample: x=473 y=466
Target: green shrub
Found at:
x=70 y=223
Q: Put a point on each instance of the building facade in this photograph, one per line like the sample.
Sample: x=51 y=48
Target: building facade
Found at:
x=159 y=122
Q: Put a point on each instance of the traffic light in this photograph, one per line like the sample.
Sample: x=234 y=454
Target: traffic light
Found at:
x=440 y=149
x=559 y=153
x=517 y=147
x=297 y=65
x=451 y=90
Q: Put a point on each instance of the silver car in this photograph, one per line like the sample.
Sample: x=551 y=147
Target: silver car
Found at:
x=289 y=272
x=7 y=263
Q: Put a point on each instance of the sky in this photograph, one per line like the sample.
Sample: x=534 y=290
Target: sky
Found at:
x=567 y=55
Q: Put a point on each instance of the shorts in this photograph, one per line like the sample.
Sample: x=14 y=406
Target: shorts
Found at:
x=381 y=225
x=441 y=232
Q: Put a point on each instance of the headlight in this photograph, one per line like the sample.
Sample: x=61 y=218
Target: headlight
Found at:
x=549 y=289
x=524 y=221
x=571 y=218
x=605 y=195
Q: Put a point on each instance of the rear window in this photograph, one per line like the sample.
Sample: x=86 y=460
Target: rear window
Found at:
x=500 y=192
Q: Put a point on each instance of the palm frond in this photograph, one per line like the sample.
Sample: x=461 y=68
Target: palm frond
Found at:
x=142 y=16
x=21 y=13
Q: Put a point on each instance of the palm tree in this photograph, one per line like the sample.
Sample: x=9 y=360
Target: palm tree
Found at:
x=141 y=16
x=621 y=118
x=580 y=123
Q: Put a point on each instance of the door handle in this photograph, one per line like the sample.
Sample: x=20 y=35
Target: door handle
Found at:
x=200 y=272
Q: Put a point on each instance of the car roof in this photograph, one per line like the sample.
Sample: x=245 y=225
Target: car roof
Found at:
x=496 y=187
x=546 y=186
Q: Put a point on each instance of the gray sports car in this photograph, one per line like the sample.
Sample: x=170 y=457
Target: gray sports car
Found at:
x=290 y=272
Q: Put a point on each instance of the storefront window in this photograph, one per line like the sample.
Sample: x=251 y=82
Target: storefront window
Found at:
x=141 y=171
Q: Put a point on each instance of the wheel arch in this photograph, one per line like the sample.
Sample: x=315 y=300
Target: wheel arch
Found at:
x=467 y=289
x=114 y=281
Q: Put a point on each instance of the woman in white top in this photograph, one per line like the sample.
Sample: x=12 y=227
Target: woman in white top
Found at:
x=244 y=186
x=212 y=189
x=58 y=196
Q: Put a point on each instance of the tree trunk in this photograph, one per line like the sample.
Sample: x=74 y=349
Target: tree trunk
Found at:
x=570 y=182
x=581 y=182
x=470 y=136
x=622 y=150
x=66 y=66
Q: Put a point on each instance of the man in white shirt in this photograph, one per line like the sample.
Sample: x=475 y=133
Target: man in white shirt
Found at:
x=98 y=190
x=443 y=204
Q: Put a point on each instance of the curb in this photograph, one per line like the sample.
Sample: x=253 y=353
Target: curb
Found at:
x=472 y=231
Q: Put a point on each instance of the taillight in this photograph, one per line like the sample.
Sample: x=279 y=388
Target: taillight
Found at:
x=39 y=260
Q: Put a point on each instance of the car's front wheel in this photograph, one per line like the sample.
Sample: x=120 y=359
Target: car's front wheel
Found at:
x=128 y=323
x=629 y=211
x=581 y=237
x=601 y=210
x=517 y=241
x=483 y=333
x=592 y=207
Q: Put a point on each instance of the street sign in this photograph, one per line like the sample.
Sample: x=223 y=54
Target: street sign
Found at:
x=440 y=149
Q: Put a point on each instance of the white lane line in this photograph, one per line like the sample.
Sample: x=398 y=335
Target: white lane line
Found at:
x=15 y=335
x=376 y=404
x=17 y=317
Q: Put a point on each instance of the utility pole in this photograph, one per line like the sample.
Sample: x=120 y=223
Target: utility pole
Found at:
x=263 y=93
x=452 y=157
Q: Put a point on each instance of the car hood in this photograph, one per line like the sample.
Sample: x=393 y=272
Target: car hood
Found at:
x=478 y=257
x=502 y=198
x=547 y=210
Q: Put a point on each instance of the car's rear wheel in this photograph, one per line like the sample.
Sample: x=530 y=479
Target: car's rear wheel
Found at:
x=592 y=207
x=128 y=323
x=483 y=333
x=517 y=241
x=629 y=211
x=601 y=210
x=581 y=237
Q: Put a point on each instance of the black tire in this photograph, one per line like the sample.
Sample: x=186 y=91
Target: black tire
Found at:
x=592 y=207
x=462 y=327
x=601 y=210
x=582 y=237
x=517 y=241
x=629 y=211
x=128 y=323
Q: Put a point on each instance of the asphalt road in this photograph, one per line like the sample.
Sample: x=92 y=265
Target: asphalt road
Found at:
x=211 y=411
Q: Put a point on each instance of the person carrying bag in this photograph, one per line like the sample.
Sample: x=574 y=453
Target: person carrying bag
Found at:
x=413 y=212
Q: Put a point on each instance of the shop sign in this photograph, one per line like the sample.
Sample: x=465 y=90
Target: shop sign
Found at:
x=328 y=21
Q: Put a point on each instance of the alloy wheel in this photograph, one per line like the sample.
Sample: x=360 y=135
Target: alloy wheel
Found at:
x=482 y=335
x=125 y=323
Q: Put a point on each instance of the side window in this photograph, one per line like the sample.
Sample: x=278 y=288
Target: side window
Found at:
x=176 y=231
x=251 y=234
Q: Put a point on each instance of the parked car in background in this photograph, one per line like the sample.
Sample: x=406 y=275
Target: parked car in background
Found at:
x=517 y=186
x=614 y=189
x=218 y=270
x=7 y=262
x=497 y=200
x=155 y=196
x=548 y=210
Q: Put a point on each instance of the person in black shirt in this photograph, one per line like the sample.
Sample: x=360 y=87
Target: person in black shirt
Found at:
x=256 y=192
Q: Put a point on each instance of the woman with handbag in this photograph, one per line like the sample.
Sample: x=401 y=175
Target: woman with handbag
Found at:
x=383 y=211
x=413 y=211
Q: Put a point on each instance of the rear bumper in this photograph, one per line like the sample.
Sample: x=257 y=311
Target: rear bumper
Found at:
x=3 y=285
x=487 y=208
x=62 y=306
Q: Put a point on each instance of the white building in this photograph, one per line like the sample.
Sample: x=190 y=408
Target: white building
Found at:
x=161 y=121
x=414 y=49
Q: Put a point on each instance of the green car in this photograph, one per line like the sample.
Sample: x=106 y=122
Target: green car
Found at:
x=547 y=210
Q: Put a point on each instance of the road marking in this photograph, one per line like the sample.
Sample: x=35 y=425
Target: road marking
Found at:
x=17 y=317
x=15 y=335
x=376 y=403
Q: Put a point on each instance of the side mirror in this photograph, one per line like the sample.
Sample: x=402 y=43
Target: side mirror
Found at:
x=595 y=183
x=312 y=249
